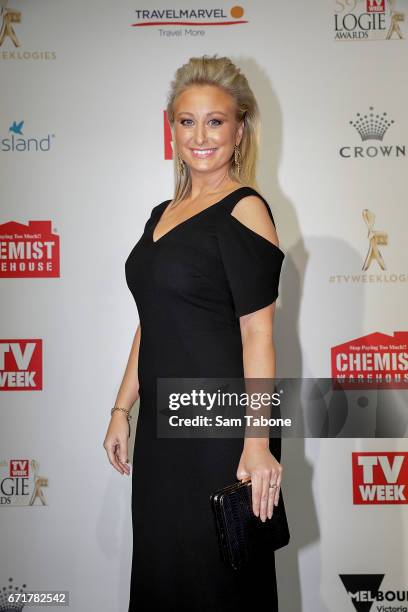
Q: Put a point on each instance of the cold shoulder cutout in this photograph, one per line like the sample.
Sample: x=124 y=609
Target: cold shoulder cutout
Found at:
x=252 y=263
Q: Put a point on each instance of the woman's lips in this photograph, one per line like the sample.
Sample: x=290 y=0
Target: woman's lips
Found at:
x=202 y=153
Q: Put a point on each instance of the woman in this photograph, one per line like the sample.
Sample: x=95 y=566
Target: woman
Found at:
x=204 y=276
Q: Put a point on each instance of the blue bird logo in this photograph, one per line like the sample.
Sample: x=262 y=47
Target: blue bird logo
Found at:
x=17 y=128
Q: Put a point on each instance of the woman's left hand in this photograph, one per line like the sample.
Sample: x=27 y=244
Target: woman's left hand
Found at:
x=259 y=465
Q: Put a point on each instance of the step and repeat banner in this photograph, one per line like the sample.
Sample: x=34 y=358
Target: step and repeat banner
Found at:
x=85 y=154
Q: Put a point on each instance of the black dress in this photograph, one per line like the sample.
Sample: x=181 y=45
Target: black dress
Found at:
x=190 y=287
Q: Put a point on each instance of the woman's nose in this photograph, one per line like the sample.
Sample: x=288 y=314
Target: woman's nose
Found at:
x=200 y=133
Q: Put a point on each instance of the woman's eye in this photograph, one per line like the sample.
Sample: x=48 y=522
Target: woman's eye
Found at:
x=188 y=122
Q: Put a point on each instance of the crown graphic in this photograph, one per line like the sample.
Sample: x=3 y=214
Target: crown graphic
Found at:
x=371 y=126
x=6 y=591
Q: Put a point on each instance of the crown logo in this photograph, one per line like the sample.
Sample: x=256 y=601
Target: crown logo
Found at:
x=11 y=606
x=371 y=126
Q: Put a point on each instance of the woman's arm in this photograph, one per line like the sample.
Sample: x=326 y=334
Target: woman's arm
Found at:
x=117 y=436
x=129 y=389
x=259 y=360
x=257 y=462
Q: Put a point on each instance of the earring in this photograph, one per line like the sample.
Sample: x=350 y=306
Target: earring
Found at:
x=180 y=164
x=237 y=158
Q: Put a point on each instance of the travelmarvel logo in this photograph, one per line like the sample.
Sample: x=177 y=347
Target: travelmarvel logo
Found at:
x=30 y=250
x=21 y=365
x=379 y=478
x=187 y=16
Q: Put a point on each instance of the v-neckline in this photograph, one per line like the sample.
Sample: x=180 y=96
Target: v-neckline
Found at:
x=154 y=226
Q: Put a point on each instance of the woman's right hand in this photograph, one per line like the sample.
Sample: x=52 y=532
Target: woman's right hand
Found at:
x=116 y=442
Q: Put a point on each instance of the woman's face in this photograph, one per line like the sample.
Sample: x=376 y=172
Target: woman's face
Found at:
x=205 y=127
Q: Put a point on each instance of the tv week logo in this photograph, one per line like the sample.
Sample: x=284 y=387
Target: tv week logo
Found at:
x=21 y=484
x=21 y=365
x=380 y=478
x=19 y=467
x=375 y=6
x=168 y=138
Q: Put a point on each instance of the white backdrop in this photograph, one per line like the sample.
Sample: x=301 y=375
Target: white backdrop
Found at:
x=91 y=88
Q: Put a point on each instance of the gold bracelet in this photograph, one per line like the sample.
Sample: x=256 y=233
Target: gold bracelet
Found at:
x=124 y=410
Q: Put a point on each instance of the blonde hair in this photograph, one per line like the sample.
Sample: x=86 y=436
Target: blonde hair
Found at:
x=222 y=72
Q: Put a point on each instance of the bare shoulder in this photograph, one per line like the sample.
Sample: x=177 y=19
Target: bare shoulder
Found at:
x=251 y=211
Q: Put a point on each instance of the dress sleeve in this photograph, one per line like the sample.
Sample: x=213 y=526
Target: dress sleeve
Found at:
x=251 y=262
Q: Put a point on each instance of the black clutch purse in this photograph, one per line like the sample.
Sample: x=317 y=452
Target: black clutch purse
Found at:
x=239 y=530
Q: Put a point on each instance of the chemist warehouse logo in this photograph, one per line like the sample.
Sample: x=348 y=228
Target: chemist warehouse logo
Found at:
x=376 y=360
x=21 y=484
x=360 y=20
x=380 y=477
x=21 y=365
x=29 y=251
x=188 y=21
x=363 y=591
x=17 y=141
x=10 y=43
